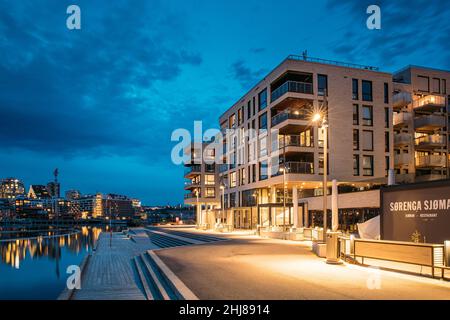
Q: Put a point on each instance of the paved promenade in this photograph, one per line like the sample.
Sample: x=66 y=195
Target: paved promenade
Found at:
x=252 y=268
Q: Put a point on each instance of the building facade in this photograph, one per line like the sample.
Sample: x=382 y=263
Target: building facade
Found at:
x=202 y=184
x=421 y=122
x=10 y=188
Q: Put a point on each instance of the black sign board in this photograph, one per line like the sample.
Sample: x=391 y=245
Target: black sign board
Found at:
x=417 y=212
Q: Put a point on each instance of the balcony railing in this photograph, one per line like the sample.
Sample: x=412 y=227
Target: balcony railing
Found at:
x=297 y=167
x=434 y=140
x=193 y=169
x=294 y=141
x=331 y=62
x=402 y=119
x=430 y=161
x=402 y=139
x=430 y=177
x=298 y=115
x=402 y=159
x=430 y=101
x=292 y=86
x=429 y=122
x=401 y=99
x=192 y=196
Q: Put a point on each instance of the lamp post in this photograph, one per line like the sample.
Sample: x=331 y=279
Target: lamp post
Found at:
x=198 y=213
x=222 y=188
x=255 y=195
x=324 y=125
x=284 y=193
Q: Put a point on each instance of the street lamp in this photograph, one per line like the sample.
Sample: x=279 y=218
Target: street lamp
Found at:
x=324 y=125
x=222 y=187
x=198 y=213
x=284 y=193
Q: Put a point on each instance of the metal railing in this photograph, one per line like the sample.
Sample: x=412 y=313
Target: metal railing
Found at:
x=291 y=86
x=299 y=115
x=193 y=169
x=332 y=62
x=402 y=118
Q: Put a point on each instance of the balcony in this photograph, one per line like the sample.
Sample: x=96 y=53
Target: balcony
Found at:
x=429 y=122
x=401 y=99
x=294 y=141
x=431 y=161
x=192 y=171
x=296 y=115
x=402 y=140
x=430 y=177
x=292 y=86
x=429 y=103
x=402 y=159
x=191 y=185
x=297 y=168
x=404 y=178
x=430 y=142
x=402 y=119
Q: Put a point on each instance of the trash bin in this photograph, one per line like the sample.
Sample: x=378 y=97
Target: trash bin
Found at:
x=333 y=255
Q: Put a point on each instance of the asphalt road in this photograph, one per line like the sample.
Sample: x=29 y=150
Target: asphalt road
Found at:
x=251 y=268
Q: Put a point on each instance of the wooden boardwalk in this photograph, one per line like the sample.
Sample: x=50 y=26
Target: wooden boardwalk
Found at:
x=110 y=273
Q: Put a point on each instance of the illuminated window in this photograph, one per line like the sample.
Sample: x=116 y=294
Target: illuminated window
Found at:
x=209 y=179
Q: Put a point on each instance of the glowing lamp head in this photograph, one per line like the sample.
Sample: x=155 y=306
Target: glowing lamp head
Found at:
x=316 y=117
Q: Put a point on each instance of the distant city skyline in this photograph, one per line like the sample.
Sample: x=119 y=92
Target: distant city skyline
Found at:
x=100 y=103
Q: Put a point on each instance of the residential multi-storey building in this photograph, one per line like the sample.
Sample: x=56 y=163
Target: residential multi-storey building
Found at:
x=382 y=128
x=421 y=124
x=10 y=188
x=271 y=174
x=202 y=183
x=38 y=191
x=72 y=195
x=102 y=206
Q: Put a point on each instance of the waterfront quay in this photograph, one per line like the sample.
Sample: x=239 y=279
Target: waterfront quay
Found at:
x=172 y=263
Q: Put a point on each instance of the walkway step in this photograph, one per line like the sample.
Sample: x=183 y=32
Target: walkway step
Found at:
x=143 y=279
x=156 y=280
x=177 y=286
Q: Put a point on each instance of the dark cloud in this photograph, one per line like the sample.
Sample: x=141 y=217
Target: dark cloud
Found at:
x=245 y=75
x=407 y=28
x=95 y=90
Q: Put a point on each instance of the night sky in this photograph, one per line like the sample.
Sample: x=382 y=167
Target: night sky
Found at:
x=101 y=103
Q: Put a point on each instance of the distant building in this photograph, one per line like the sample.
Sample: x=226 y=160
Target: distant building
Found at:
x=10 y=188
x=53 y=189
x=38 y=192
x=72 y=195
x=102 y=206
x=6 y=209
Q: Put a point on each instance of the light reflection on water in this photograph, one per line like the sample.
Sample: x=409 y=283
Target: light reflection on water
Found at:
x=35 y=267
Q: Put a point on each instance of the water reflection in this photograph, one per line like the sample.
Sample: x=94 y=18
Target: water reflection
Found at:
x=46 y=244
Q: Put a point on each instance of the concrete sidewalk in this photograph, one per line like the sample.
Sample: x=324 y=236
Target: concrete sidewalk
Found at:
x=252 y=268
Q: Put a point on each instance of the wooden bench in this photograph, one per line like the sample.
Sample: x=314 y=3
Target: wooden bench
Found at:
x=422 y=254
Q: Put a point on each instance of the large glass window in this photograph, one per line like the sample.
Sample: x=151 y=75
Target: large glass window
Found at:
x=367 y=90
x=386 y=92
x=356 y=114
x=322 y=84
x=387 y=165
x=356 y=165
x=210 y=193
x=368 y=165
x=263 y=147
x=367 y=140
x=355 y=89
x=209 y=179
x=368 y=115
x=233 y=179
x=386 y=142
x=263 y=167
x=262 y=99
x=386 y=118
x=263 y=121
x=355 y=139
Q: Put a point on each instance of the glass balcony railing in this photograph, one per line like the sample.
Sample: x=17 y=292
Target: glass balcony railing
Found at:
x=402 y=139
x=297 y=167
x=193 y=169
x=431 y=161
x=401 y=99
x=296 y=115
x=402 y=119
x=294 y=141
x=292 y=86
x=429 y=122
x=430 y=140
x=429 y=101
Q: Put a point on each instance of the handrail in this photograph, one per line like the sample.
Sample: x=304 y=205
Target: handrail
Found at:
x=291 y=86
x=332 y=62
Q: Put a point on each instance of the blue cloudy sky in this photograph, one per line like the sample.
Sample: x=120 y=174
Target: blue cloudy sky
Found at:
x=100 y=103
